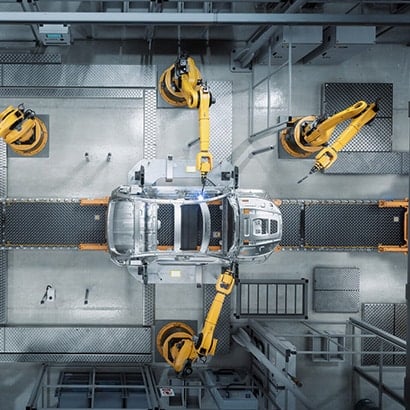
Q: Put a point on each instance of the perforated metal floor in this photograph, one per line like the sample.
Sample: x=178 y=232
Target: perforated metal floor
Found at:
x=375 y=137
x=347 y=225
x=46 y=223
x=392 y=318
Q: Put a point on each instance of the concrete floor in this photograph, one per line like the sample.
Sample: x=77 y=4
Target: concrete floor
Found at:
x=102 y=126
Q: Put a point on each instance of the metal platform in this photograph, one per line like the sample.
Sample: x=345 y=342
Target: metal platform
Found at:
x=336 y=290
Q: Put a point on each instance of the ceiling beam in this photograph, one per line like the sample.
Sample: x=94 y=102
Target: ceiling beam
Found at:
x=246 y=55
x=144 y=18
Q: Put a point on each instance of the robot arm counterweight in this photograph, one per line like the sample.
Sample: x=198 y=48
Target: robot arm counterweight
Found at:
x=22 y=130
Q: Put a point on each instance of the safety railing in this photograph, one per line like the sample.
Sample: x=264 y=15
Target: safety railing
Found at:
x=276 y=298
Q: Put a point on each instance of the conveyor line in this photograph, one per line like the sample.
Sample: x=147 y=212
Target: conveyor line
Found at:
x=345 y=225
x=60 y=223
x=324 y=225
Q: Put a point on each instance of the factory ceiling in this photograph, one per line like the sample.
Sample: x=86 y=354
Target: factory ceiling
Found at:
x=249 y=25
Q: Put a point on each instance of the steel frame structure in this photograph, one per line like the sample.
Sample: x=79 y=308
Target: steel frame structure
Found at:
x=146 y=18
x=355 y=331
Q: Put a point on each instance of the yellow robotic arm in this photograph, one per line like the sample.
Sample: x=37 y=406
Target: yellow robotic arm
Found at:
x=181 y=85
x=176 y=341
x=305 y=136
x=22 y=130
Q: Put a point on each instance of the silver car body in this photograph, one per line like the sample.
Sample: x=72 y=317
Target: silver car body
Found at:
x=190 y=225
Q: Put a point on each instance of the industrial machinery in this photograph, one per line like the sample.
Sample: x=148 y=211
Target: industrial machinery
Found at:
x=22 y=130
x=177 y=342
x=181 y=85
x=304 y=136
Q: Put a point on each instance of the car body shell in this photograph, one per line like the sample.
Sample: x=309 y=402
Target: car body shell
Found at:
x=191 y=226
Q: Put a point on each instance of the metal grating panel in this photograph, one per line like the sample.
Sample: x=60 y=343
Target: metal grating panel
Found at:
x=400 y=329
x=166 y=230
x=380 y=315
x=78 y=340
x=53 y=223
x=352 y=225
x=223 y=327
x=3 y=286
x=336 y=278
x=1 y=340
x=220 y=115
x=150 y=124
x=78 y=75
x=400 y=320
x=376 y=137
x=3 y=169
x=26 y=58
x=291 y=217
x=336 y=301
x=405 y=163
x=67 y=92
x=372 y=163
x=149 y=305
x=336 y=290
x=76 y=358
x=338 y=96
